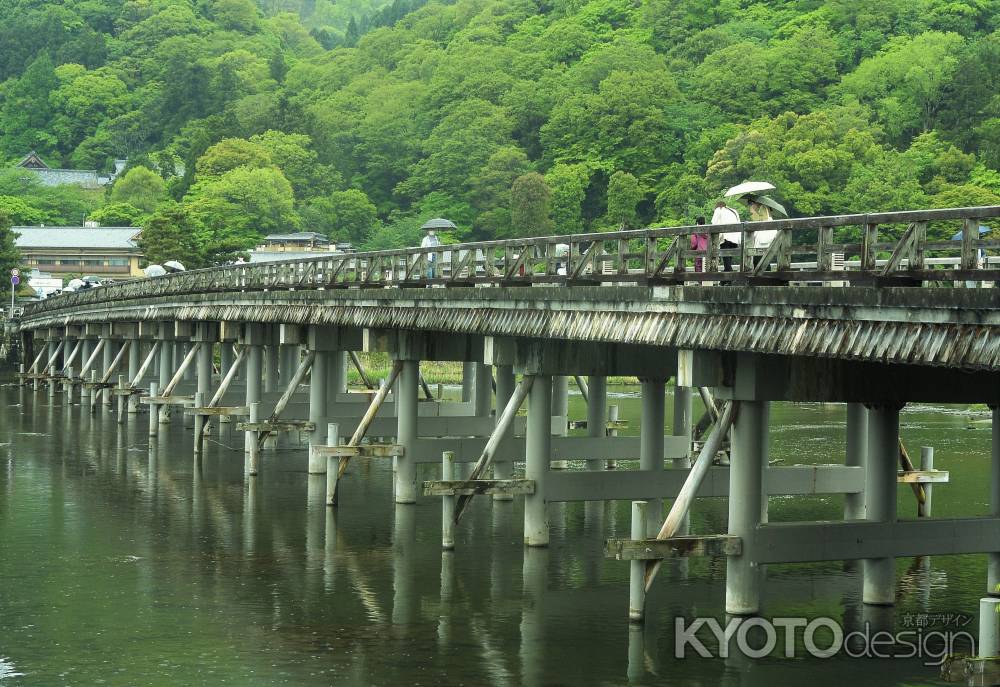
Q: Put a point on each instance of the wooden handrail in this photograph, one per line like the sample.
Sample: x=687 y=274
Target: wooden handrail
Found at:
x=655 y=254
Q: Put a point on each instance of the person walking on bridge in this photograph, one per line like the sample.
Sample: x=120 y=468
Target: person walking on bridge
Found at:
x=431 y=240
x=699 y=242
x=761 y=239
x=731 y=239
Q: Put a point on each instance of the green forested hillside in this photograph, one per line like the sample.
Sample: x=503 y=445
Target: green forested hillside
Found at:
x=361 y=119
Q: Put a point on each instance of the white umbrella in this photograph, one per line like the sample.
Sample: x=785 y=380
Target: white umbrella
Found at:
x=154 y=271
x=173 y=266
x=749 y=187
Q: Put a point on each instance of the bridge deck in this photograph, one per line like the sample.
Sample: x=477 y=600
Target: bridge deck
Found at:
x=941 y=327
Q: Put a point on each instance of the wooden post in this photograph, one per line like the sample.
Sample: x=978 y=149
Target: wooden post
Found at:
x=332 y=439
x=179 y=374
x=93 y=392
x=253 y=459
x=448 y=503
x=926 y=464
x=365 y=379
x=499 y=432
x=637 y=569
x=199 y=422
x=686 y=496
x=154 y=410
x=370 y=414
x=122 y=385
x=612 y=464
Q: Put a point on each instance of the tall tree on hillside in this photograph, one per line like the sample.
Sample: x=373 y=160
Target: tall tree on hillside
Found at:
x=530 y=206
x=139 y=187
x=26 y=112
x=624 y=195
x=10 y=257
x=170 y=235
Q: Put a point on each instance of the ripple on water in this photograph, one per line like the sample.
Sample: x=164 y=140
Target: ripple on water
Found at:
x=7 y=669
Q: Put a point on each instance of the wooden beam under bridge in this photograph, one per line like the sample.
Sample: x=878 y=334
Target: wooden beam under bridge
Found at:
x=795 y=542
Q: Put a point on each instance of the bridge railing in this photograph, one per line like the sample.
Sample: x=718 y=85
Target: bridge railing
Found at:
x=884 y=248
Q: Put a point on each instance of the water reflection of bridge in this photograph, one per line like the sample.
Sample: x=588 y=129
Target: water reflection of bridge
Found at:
x=614 y=305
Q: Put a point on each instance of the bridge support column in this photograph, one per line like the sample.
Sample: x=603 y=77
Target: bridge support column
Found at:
x=483 y=391
x=288 y=362
x=134 y=360
x=993 y=578
x=110 y=353
x=225 y=358
x=67 y=349
x=597 y=412
x=253 y=336
x=86 y=351
x=503 y=467
x=747 y=504
x=271 y=367
x=318 y=410
x=407 y=389
x=560 y=409
x=336 y=377
x=682 y=428
x=468 y=381
x=165 y=372
x=538 y=450
x=856 y=456
x=50 y=362
x=880 y=498
x=190 y=373
x=651 y=427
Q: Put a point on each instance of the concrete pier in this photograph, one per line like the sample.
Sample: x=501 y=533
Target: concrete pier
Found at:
x=537 y=456
x=597 y=413
x=651 y=429
x=747 y=504
x=406 y=433
x=880 y=498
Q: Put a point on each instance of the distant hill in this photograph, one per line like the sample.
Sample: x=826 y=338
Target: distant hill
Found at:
x=362 y=118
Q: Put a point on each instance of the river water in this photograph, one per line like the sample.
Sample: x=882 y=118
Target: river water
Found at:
x=123 y=563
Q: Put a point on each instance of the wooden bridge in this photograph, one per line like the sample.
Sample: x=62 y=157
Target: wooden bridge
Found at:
x=863 y=310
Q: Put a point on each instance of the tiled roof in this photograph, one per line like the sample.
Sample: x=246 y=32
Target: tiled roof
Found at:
x=76 y=237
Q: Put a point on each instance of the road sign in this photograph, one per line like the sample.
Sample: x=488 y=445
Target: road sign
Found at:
x=15 y=280
x=15 y=272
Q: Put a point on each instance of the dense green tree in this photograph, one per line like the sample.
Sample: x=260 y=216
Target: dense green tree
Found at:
x=26 y=112
x=20 y=212
x=624 y=195
x=118 y=215
x=244 y=204
x=169 y=234
x=237 y=15
x=905 y=83
x=530 y=206
x=10 y=257
x=343 y=216
x=259 y=116
x=139 y=187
